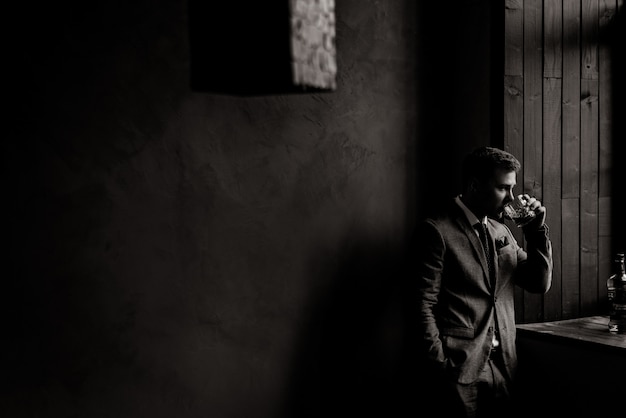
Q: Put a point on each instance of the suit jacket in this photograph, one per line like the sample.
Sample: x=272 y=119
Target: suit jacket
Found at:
x=457 y=301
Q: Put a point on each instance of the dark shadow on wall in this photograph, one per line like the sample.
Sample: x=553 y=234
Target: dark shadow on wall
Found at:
x=57 y=334
x=459 y=102
x=65 y=321
x=232 y=67
x=353 y=352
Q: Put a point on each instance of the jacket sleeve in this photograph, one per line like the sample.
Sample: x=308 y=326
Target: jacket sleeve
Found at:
x=428 y=259
x=534 y=267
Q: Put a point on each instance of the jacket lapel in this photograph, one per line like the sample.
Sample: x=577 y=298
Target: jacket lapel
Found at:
x=476 y=244
x=492 y=238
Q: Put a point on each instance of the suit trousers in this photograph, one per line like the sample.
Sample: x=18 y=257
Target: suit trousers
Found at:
x=487 y=397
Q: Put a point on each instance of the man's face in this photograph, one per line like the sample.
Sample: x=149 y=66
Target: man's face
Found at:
x=497 y=192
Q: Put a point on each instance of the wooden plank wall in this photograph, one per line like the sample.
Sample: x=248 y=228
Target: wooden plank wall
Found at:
x=558 y=122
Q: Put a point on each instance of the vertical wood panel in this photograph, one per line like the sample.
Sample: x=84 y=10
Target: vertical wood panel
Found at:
x=513 y=143
x=589 y=139
x=552 y=188
x=607 y=10
x=553 y=71
x=553 y=38
x=514 y=115
x=589 y=196
x=589 y=69
x=570 y=270
x=571 y=100
x=514 y=103
x=533 y=104
x=513 y=35
x=570 y=169
x=605 y=254
x=533 y=66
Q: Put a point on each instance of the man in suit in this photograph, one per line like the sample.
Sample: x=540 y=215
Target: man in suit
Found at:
x=465 y=290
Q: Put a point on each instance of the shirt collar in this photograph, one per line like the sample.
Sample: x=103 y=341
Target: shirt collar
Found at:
x=472 y=219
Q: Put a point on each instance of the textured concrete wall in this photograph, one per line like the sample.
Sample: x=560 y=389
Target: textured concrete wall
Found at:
x=183 y=254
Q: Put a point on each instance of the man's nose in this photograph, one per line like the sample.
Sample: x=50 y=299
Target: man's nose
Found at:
x=509 y=197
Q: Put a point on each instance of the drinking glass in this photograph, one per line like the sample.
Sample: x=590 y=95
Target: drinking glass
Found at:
x=519 y=211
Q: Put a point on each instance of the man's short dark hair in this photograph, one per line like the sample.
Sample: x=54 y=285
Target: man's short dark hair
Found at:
x=481 y=163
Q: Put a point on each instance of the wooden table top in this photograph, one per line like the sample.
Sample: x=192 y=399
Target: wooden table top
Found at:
x=592 y=329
